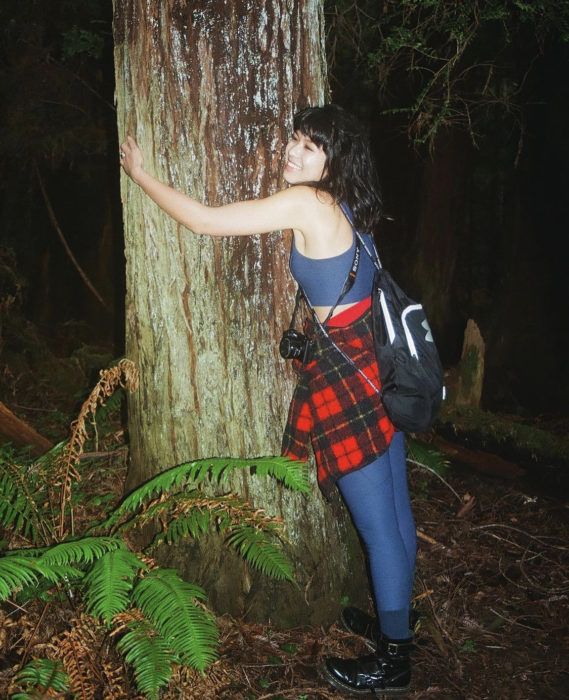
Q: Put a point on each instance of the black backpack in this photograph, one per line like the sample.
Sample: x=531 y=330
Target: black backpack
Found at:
x=410 y=370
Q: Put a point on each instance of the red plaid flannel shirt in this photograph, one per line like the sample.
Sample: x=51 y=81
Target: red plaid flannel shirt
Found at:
x=335 y=408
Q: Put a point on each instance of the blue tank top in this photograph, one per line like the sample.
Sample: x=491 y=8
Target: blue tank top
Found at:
x=322 y=279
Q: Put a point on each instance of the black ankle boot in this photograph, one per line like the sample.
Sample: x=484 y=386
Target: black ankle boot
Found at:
x=358 y=622
x=386 y=672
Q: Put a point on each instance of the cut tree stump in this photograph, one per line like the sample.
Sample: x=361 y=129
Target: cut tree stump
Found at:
x=471 y=368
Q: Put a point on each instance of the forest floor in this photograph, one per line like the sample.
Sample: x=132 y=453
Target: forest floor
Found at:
x=492 y=590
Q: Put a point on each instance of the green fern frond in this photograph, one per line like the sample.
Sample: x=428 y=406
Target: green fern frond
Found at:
x=168 y=601
x=84 y=550
x=55 y=573
x=39 y=677
x=292 y=473
x=260 y=552
x=54 y=584
x=49 y=458
x=166 y=509
x=16 y=572
x=162 y=483
x=149 y=655
x=191 y=513
x=31 y=578
x=423 y=455
x=191 y=524
x=18 y=507
x=110 y=582
x=15 y=509
x=431 y=460
x=166 y=506
x=24 y=567
x=47 y=466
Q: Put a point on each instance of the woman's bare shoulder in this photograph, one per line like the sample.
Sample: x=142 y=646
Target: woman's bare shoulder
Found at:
x=312 y=202
x=309 y=195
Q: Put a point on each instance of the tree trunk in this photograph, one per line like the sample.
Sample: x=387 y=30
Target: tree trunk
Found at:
x=440 y=227
x=209 y=89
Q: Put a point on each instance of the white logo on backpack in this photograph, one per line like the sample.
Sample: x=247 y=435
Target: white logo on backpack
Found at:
x=429 y=336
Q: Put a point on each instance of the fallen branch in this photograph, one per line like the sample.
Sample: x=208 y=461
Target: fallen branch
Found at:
x=428 y=538
x=483 y=462
x=21 y=434
x=59 y=232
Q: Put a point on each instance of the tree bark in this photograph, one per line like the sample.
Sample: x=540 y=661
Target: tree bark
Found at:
x=209 y=89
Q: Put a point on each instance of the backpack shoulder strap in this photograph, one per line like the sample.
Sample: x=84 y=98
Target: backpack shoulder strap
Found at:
x=373 y=254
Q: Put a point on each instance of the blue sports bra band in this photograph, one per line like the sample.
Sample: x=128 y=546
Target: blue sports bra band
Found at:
x=348 y=284
x=322 y=278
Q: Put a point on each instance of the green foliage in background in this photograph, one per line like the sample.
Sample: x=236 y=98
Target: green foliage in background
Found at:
x=439 y=64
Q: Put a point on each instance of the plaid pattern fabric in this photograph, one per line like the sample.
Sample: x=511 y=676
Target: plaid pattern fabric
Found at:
x=335 y=408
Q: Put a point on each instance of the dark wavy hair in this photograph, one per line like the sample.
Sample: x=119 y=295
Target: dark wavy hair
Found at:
x=350 y=173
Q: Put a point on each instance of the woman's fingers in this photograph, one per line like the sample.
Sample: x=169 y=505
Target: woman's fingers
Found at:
x=130 y=156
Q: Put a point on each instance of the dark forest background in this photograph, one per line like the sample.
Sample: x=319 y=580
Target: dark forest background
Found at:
x=467 y=106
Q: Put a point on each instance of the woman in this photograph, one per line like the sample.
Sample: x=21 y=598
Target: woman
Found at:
x=336 y=403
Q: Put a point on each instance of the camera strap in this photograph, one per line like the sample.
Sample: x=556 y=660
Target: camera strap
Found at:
x=322 y=325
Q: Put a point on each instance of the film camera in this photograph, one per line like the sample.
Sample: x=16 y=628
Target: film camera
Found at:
x=296 y=346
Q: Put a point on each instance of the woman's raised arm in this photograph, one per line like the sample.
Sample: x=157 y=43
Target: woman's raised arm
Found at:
x=283 y=210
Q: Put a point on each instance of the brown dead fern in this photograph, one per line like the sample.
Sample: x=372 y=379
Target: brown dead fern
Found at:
x=123 y=375
x=229 y=508
x=79 y=649
x=117 y=685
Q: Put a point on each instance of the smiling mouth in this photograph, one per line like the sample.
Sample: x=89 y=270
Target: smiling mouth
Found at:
x=292 y=165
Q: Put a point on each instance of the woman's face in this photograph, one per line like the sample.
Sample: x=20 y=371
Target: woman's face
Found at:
x=304 y=160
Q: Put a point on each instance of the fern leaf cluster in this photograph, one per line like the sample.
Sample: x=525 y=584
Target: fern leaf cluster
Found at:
x=257 y=550
x=109 y=583
x=20 y=502
x=291 y=473
x=84 y=550
x=16 y=572
x=187 y=518
x=158 y=619
x=149 y=655
x=429 y=458
x=40 y=676
x=171 y=604
x=256 y=536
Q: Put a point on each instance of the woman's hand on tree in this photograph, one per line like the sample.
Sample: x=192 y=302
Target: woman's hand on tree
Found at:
x=131 y=158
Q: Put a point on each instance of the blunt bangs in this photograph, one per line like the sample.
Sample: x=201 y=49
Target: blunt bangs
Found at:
x=317 y=124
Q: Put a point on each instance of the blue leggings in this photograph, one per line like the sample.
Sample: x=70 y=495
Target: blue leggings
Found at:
x=378 y=500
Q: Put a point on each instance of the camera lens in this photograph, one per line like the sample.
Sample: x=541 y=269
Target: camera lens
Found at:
x=287 y=350
x=295 y=346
